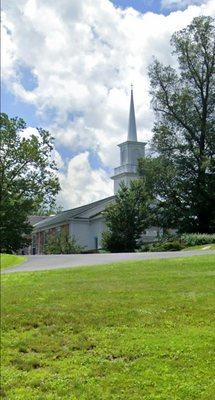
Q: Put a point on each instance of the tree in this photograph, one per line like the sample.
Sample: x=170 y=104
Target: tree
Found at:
x=183 y=175
x=28 y=180
x=127 y=218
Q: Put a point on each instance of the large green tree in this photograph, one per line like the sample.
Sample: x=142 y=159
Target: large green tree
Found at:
x=127 y=218
x=182 y=174
x=28 y=180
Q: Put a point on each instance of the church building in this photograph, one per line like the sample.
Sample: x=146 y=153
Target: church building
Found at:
x=86 y=223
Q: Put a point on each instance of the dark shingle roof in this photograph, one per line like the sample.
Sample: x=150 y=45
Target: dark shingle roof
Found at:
x=68 y=215
x=34 y=219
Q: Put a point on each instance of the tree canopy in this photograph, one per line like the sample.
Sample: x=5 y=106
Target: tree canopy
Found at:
x=28 y=180
x=181 y=174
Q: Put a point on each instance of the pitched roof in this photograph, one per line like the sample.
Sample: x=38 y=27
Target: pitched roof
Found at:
x=74 y=213
x=34 y=219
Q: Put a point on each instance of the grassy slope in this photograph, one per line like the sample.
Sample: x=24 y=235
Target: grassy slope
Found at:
x=135 y=331
x=202 y=247
x=11 y=260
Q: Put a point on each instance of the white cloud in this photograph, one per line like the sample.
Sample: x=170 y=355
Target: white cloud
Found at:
x=28 y=132
x=85 y=54
x=8 y=49
x=81 y=184
x=180 y=4
x=58 y=159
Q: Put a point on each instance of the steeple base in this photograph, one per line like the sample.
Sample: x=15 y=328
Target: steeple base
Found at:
x=130 y=152
x=123 y=177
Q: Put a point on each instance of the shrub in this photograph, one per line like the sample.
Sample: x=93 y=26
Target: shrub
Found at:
x=171 y=243
x=63 y=244
x=195 y=239
x=168 y=246
x=146 y=247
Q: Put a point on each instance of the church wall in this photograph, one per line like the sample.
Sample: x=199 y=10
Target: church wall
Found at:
x=39 y=239
x=97 y=227
x=80 y=230
x=65 y=229
x=88 y=234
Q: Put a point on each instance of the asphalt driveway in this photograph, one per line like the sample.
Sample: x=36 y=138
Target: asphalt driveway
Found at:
x=50 y=262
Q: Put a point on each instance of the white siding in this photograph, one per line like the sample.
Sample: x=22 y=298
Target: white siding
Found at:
x=80 y=230
x=85 y=232
x=97 y=227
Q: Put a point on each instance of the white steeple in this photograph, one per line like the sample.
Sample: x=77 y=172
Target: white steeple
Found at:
x=132 y=130
x=130 y=152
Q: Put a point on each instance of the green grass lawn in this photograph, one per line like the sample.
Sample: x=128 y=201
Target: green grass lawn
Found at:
x=11 y=260
x=133 y=331
x=210 y=246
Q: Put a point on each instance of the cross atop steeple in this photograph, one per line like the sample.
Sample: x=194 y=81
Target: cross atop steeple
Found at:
x=132 y=130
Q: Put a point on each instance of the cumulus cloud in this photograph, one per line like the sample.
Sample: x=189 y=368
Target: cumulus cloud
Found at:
x=58 y=159
x=8 y=49
x=81 y=182
x=28 y=132
x=84 y=54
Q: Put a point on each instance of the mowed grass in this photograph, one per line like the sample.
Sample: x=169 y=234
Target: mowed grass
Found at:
x=210 y=246
x=137 y=331
x=11 y=260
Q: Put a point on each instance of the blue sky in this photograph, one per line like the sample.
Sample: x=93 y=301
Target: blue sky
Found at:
x=67 y=67
x=12 y=106
x=141 y=5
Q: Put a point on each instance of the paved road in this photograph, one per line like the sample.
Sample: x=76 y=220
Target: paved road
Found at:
x=40 y=263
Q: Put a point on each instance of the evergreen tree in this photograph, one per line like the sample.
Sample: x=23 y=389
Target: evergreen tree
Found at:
x=127 y=218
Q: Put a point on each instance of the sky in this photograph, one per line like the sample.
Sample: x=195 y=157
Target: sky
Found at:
x=67 y=66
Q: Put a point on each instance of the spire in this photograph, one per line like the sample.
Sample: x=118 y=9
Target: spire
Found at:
x=132 y=131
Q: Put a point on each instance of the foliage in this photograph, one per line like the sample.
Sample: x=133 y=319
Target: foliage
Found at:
x=135 y=330
x=51 y=210
x=167 y=242
x=170 y=245
x=10 y=260
x=194 y=239
x=179 y=242
x=28 y=180
x=126 y=218
x=62 y=244
x=183 y=172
